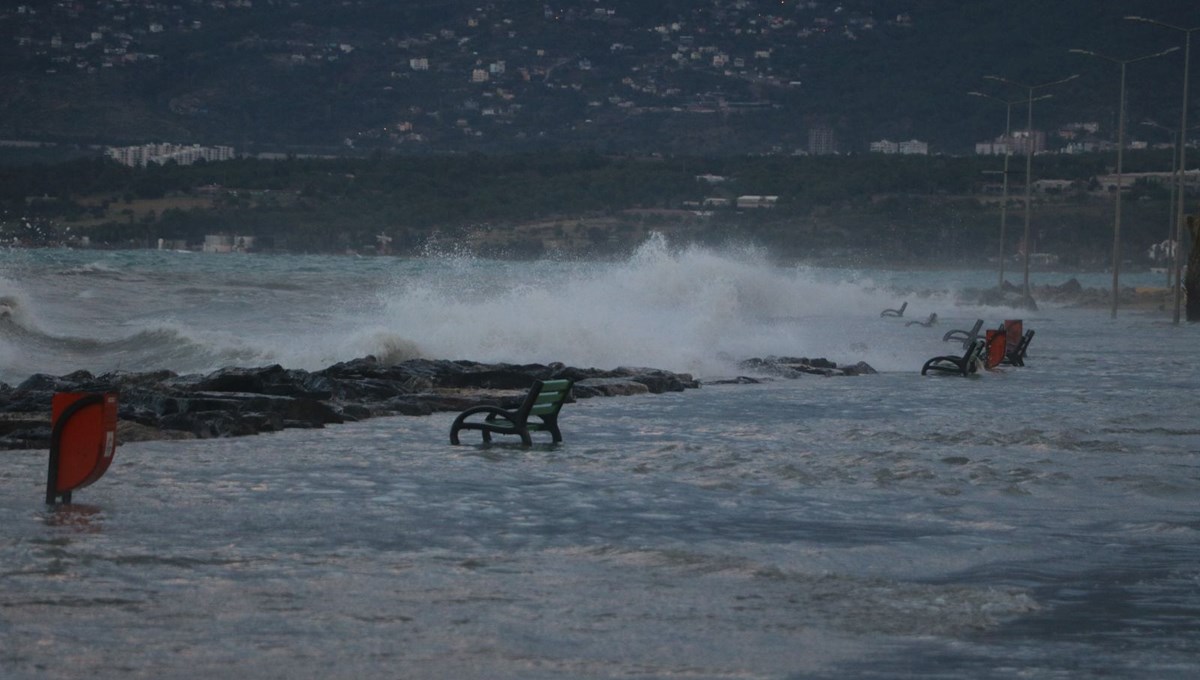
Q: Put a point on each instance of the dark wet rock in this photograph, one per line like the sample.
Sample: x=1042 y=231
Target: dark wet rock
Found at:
x=609 y=387
x=212 y=424
x=739 y=380
x=658 y=381
x=796 y=367
x=130 y=431
x=1068 y=293
x=354 y=412
x=1071 y=286
x=240 y=379
x=491 y=379
x=24 y=430
x=31 y=438
x=239 y=401
x=1003 y=296
x=860 y=368
x=41 y=382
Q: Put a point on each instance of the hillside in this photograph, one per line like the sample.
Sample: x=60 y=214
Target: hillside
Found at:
x=700 y=76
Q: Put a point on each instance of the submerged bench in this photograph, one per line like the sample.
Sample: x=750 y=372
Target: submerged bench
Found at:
x=929 y=321
x=895 y=312
x=1016 y=355
x=965 y=337
x=965 y=365
x=1005 y=345
x=545 y=400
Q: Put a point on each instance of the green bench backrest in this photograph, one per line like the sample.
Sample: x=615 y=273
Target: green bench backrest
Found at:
x=551 y=397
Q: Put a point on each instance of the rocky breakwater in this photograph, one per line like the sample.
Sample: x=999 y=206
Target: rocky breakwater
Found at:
x=1070 y=293
x=242 y=401
x=795 y=367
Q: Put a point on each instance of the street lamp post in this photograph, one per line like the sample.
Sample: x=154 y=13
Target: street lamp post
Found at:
x=1008 y=104
x=1003 y=210
x=1174 y=186
x=1177 y=265
x=1116 y=249
x=1029 y=161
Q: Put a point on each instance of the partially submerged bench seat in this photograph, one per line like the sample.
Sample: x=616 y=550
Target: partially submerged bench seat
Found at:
x=1016 y=355
x=895 y=312
x=544 y=401
x=964 y=337
x=963 y=365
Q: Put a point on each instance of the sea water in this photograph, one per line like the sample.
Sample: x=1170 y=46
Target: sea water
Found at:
x=1036 y=522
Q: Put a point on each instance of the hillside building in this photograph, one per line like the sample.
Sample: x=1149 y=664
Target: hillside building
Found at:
x=143 y=155
x=822 y=141
x=1017 y=144
x=911 y=147
x=756 y=202
x=226 y=243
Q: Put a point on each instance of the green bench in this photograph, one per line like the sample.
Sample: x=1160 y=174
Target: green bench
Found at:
x=965 y=337
x=968 y=363
x=929 y=321
x=545 y=400
x=1016 y=355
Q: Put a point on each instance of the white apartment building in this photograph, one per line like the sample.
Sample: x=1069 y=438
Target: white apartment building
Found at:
x=140 y=156
x=911 y=147
x=1017 y=144
x=756 y=202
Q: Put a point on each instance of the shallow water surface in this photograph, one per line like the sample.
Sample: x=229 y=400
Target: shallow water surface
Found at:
x=819 y=528
x=1035 y=522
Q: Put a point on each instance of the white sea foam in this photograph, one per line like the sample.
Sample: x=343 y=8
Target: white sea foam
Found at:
x=15 y=305
x=688 y=308
x=692 y=308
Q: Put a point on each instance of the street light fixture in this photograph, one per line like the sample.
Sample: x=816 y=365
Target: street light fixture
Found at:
x=1029 y=160
x=1177 y=265
x=1008 y=104
x=1116 y=252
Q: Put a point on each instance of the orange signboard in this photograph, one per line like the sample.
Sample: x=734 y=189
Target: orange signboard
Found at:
x=996 y=347
x=82 y=441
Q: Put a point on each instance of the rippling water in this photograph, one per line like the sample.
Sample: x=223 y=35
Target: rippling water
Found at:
x=1035 y=522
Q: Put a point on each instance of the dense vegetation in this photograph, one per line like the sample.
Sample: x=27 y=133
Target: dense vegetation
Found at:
x=903 y=208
